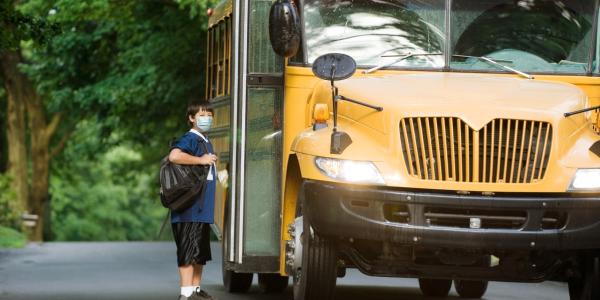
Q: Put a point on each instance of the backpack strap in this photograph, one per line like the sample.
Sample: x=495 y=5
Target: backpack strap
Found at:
x=162 y=227
x=202 y=142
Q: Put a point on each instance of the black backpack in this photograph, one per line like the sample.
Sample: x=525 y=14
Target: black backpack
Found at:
x=180 y=185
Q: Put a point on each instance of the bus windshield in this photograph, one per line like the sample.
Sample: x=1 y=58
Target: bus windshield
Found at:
x=537 y=36
x=542 y=36
x=377 y=32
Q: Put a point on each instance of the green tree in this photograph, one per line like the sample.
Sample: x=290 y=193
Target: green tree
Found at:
x=125 y=68
x=112 y=197
x=17 y=28
x=3 y=143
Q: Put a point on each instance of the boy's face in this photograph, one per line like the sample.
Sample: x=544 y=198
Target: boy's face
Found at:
x=200 y=113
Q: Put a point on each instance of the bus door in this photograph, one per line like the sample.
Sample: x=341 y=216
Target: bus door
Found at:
x=218 y=93
x=257 y=147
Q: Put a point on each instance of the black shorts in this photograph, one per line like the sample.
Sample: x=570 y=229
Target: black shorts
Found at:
x=193 y=243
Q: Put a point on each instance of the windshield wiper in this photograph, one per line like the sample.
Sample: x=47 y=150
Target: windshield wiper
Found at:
x=496 y=63
x=402 y=57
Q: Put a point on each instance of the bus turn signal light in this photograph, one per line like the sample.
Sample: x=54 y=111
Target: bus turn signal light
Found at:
x=321 y=113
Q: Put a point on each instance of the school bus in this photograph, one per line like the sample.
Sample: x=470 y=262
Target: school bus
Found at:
x=452 y=141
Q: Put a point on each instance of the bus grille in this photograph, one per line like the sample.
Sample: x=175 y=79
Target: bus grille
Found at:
x=503 y=151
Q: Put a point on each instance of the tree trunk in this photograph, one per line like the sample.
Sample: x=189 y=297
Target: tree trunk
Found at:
x=15 y=127
x=19 y=88
x=41 y=133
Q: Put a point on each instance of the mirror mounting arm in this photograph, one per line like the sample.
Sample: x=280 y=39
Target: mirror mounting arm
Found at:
x=337 y=97
x=377 y=108
x=581 y=111
x=334 y=97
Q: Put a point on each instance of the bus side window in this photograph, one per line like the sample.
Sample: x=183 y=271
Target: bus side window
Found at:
x=218 y=58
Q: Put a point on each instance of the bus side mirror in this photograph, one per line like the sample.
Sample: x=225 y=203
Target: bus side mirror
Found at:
x=284 y=28
x=333 y=67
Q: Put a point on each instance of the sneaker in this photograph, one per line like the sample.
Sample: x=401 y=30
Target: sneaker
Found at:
x=201 y=295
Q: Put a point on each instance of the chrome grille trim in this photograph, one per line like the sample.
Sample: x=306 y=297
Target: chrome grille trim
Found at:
x=503 y=151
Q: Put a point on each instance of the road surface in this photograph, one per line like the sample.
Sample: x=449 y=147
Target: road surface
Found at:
x=147 y=270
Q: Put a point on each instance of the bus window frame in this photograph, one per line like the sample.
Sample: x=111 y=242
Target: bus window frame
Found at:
x=448 y=49
x=593 y=57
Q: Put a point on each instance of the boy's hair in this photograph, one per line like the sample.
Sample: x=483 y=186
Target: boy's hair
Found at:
x=194 y=107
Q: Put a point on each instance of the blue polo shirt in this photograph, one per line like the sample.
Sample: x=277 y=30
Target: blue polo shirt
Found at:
x=200 y=211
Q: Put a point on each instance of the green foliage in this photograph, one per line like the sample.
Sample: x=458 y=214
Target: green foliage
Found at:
x=16 y=27
x=131 y=65
x=121 y=73
x=9 y=210
x=113 y=196
x=196 y=7
x=3 y=142
x=10 y=238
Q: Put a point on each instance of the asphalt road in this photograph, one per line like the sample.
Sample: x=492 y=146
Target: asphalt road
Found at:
x=140 y=270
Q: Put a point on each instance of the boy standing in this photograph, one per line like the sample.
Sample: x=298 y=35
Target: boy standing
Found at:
x=191 y=228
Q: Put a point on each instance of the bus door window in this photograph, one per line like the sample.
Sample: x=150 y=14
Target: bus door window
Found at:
x=263 y=150
x=262 y=173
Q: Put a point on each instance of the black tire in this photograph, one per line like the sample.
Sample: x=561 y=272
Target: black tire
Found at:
x=473 y=289
x=237 y=282
x=272 y=283
x=587 y=285
x=317 y=278
x=232 y=281
x=435 y=287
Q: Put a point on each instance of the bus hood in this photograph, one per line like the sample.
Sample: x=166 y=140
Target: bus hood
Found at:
x=475 y=98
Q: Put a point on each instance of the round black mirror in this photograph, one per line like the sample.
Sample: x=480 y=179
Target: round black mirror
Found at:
x=284 y=28
x=334 y=66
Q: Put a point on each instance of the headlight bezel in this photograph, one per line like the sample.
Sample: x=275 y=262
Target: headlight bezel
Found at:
x=581 y=182
x=346 y=170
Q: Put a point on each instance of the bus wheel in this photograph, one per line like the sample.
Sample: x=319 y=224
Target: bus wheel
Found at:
x=587 y=285
x=470 y=288
x=237 y=282
x=272 y=283
x=316 y=278
x=435 y=287
x=234 y=282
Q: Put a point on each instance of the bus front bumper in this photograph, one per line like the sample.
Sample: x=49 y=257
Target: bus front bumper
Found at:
x=442 y=220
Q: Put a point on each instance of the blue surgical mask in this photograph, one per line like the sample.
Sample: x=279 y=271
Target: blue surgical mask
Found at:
x=204 y=122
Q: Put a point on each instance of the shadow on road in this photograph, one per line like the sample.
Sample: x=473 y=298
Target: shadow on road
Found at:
x=342 y=292
x=148 y=271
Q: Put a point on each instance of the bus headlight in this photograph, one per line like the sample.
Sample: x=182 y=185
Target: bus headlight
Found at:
x=349 y=170
x=586 y=179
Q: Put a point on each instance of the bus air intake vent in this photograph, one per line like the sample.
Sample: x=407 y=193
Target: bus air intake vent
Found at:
x=503 y=151
x=554 y=220
x=461 y=218
x=397 y=213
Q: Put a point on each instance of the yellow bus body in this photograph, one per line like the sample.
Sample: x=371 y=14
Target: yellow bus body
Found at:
x=377 y=133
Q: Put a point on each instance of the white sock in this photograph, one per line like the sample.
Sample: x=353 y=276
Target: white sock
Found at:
x=197 y=289
x=187 y=290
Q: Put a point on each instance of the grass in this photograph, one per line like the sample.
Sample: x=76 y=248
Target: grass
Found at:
x=10 y=238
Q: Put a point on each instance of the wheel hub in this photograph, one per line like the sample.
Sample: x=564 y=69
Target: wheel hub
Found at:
x=293 y=249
